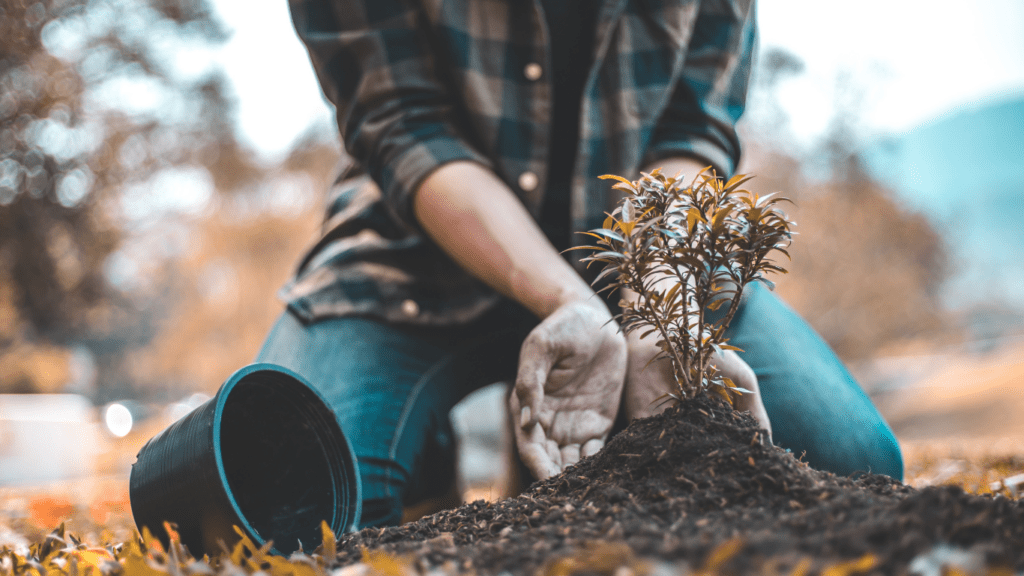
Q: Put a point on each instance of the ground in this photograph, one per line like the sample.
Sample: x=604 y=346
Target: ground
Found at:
x=697 y=488
x=634 y=510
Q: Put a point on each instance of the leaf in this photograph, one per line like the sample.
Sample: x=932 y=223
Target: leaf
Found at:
x=243 y=544
x=608 y=270
x=135 y=562
x=628 y=211
x=605 y=232
x=151 y=542
x=861 y=565
x=626 y=227
x=385 y=564
x=295 y=566
x=673 y=291
x=719 y=219
x=615 y=177
x=716 y=304
x=609 y=254
x=661 y=400
x=763 y=200
x=330 y=543
x=692 y=216
x=721 y=554
x=736 y=180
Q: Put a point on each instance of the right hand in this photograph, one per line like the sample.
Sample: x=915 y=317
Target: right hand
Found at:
x=646 y=384
x=571 y=371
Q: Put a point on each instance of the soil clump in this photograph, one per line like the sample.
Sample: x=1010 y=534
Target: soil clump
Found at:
x=699 y=486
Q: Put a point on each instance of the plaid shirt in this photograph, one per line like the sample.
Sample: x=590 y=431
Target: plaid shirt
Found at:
x=419 y=83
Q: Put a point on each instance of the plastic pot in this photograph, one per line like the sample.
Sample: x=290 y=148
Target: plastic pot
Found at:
x=265 y=454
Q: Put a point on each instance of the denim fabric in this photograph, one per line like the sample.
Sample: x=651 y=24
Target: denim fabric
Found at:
x=392 y=388
x=816 y=407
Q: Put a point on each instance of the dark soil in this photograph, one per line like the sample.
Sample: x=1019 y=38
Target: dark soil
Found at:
x=700 y=485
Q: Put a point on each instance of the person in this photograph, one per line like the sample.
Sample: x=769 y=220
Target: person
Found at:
x=474 y=132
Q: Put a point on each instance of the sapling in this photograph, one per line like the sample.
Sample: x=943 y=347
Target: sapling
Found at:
x=687 y=251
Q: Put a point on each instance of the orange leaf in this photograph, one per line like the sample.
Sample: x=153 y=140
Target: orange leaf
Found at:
x=721 y=554
x=385 y=564
x=862 y=564
x=619 y=178
x=330 y=543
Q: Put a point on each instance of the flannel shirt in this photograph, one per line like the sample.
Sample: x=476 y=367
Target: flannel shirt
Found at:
x=419 y=83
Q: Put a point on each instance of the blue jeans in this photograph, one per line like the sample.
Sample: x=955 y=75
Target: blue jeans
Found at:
x=392 y=388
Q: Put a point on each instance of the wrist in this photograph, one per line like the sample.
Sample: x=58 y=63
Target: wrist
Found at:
x=543 y=298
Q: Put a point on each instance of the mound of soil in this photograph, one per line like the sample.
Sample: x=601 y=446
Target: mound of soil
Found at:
x=699 y=486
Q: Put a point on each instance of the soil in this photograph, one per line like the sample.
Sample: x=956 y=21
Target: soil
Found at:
x=699 y=487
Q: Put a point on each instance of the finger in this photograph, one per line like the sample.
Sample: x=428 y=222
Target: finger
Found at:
x=535 y=362
x=547 y=465
x=734 y=368
x=532 y=445
x=592 y=447
x=570 y=455
x=554 y=454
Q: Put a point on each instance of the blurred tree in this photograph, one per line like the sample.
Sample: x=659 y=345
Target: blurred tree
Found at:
x=867 y=270
x=244 y=250
x=93 y=100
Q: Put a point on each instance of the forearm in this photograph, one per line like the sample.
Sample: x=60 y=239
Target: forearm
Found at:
x=478 y=221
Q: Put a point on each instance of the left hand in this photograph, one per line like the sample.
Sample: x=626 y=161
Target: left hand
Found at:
x=567 y=390
x=644 y=387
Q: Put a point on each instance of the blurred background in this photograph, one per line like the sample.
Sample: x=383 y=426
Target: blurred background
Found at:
x=162 y=164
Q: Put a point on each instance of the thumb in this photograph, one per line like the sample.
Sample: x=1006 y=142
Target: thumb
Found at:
x=535 y=362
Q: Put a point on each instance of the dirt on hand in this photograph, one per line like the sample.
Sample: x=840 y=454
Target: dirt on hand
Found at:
x=699 y=487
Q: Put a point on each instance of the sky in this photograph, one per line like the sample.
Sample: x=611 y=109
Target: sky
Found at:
x=914 y=60
x=911 y=61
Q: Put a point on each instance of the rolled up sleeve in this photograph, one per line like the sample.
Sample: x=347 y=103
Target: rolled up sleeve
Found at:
x=375 y=63
x=700 y=119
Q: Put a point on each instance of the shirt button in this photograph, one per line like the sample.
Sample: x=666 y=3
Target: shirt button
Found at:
x=533 y=71
x=410 y=308
x=528 y=181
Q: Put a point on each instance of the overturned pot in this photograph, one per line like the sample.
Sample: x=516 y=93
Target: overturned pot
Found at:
x=265 y=454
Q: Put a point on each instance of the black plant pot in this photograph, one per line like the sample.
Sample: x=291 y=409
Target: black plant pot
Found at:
x=265 y=454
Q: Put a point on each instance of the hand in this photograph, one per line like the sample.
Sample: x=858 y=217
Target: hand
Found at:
x=644 y=387
x=571 y=372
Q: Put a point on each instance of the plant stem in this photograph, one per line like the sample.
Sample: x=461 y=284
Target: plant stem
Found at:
x=661 y=328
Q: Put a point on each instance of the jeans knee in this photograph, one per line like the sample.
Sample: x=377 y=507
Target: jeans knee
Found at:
x=381 y=511
x=888 y=457
x=878 y=454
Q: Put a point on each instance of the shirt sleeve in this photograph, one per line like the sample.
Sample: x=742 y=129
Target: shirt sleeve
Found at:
x=375 y=64
x=700 y=119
